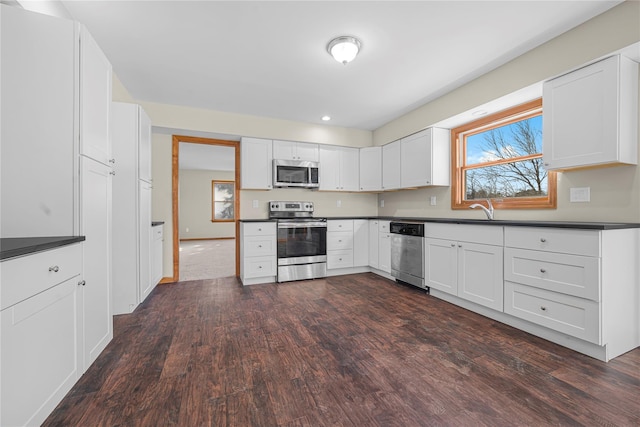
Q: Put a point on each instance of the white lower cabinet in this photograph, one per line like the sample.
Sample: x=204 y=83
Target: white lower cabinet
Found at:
x=466 y=261
x=157 y=251
x=373 y=243
x=339 y=244
x=39 y=341
x=579 y=283
x=258 y=250
x=384 y=246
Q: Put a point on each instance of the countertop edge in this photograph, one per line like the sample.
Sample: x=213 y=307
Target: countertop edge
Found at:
x=581 y=225
x=20 y=246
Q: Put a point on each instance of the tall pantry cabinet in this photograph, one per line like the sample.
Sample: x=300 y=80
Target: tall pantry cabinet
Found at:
x=56 y=181
x=132 y=279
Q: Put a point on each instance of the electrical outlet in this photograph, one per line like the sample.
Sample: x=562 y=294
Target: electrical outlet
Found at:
x=338 y=203
x=432 y=200
x=382 y=203
x=187 y=229
x=255 y=204
x=581 y=194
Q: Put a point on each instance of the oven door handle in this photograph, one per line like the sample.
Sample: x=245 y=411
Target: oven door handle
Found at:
x=302 y=224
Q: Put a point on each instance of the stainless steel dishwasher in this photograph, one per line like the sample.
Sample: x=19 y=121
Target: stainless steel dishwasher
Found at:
x=407 y=252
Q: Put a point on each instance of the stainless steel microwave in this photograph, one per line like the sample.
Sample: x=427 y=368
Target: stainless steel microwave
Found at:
x=295 y=173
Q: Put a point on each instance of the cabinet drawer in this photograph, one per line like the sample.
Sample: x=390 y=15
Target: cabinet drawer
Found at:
x=29 y=275
x=259 y=228
x=340 y=225
x=484 y=234
x=573 y=316
x=259 y=267
x=339 y=240
x=157 y=232
x=339 y=259
x=576 y=242
x=259 y=246
x=568 y=274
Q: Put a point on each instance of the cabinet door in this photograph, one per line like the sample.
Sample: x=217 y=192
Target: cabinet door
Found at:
x=95 y=100
x=38 y=89
x=144 y=146
x=441 y=265
x=480 y=274
x=306 y=151
x=39 y=346
x=156 y=264
x=371 y=169
x=330 y=168
x=585 y=121
x=256 y=156
x=391 y=166
x=360 y=242
x=284 y=150
x=415 y=160
x=349 y=169
x=95 y=307
x=373 y=243
x=144 y=252
x=384 y=252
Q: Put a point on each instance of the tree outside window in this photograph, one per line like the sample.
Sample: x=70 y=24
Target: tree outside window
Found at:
x=500 y=157
x=223 y=197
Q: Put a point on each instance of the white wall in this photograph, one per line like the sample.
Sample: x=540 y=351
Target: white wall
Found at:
x=615 y=191
x=196 y=205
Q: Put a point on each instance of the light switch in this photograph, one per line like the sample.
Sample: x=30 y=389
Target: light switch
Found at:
x=338 y=203
x=432 y=200
x=255 y=204
x=382 y=203
x=580 y=194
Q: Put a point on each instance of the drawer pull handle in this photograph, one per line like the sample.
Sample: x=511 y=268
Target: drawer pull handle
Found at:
x=259 y=266
x=453 y=245
x=55 y=268
x=542 y=270
x=259 y=229
x=339 y=259
x=543 y=308
x=259 y=246
x=81 y=283
x=542 y=239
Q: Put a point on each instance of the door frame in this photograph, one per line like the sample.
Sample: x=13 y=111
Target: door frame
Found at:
x=175 y=186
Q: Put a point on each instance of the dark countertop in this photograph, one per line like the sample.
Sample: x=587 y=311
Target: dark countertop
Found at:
x=155 y=223
x=16 y=246
x=593 y=225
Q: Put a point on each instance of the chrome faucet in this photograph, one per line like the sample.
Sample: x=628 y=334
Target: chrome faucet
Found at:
x=489 y=211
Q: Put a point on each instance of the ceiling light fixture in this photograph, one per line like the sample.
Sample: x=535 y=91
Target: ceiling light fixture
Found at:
x=344 y=49
x=326 y=118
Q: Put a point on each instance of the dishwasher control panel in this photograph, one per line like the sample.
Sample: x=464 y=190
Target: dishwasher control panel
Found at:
x=407 y=228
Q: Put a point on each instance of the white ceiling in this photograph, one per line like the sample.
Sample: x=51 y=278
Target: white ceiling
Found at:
x=268 y=58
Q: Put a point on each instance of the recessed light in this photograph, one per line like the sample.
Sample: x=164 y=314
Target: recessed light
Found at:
x=479 y=113
x=326 y=118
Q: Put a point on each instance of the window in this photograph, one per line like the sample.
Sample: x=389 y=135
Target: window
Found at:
x=500 y=157
x=223 y=196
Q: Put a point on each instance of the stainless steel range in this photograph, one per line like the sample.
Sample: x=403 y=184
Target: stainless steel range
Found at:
x=302 y=241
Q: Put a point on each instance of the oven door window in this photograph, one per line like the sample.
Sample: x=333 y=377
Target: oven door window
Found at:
x=292 y=174
x=302 y=242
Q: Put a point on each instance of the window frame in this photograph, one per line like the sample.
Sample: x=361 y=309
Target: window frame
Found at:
x=458 y=158
x=213 y=200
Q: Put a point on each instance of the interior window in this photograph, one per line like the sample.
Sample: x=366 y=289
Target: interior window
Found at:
x=499 y=157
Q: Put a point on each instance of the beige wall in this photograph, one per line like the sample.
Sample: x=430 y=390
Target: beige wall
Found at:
x=196 y=205
x=615 y=191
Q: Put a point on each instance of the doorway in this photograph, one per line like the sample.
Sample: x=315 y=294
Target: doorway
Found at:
x=180 y=233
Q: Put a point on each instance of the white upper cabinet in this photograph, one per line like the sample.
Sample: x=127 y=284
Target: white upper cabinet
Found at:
x=424 y=158
x=144 y=146
x=38 y=68
x=371 y=169
x=591 y=116
x=95 y=100
x=289 y=150
x=339 y=168
x=391 y=166
x=256 y=157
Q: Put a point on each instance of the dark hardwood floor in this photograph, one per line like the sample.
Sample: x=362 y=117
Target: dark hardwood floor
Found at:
x=354 y=350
